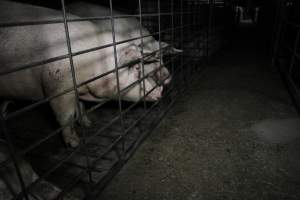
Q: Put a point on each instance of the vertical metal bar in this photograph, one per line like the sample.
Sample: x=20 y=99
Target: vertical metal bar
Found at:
x=278 y=31
x=142 y=52
x=117 y=71
x=212 y=23
x=172 y=36
x=294 y=52
x=188 y=70
x=70 y=56
x=159 y=35
x=181 y=43
x=12 y=154
x=209 y=29
x=74 y=77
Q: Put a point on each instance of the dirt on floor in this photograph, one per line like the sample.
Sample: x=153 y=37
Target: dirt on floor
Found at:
x=207 y=148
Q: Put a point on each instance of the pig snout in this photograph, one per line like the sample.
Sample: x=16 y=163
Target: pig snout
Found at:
x=155 y=95
x=168 y=80
x=163 y=77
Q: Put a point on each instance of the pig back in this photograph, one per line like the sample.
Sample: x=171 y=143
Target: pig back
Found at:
x=125 y=28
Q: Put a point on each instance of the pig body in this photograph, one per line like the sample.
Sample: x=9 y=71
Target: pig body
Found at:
x=27 y=44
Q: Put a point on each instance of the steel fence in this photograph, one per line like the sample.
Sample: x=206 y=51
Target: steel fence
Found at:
x=118 y=127
x=286 y=50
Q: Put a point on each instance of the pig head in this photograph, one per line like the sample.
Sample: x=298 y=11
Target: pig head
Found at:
x=126 y=29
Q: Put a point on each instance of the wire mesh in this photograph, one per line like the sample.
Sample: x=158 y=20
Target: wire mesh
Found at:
x=286 y=51
x=30 y=130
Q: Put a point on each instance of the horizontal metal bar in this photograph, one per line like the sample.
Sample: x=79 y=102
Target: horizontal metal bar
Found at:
x=57 y=21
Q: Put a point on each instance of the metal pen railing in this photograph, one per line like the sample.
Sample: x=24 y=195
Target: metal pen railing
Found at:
x=286 y=51
x=184 y=26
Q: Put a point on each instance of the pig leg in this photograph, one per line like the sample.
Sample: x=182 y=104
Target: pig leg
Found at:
x=85 y=121
x=64 y=108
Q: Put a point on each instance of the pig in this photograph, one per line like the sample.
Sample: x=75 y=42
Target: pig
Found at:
x=21 y=45
x=128 y=28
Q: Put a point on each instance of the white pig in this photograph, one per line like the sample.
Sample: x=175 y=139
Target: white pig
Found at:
x=127 y=28
x=22 y=45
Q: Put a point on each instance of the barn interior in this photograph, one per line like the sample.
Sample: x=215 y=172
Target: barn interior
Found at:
x=226 y=127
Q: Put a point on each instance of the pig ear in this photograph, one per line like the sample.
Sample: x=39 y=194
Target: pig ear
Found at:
x=128 y=54
x=168 y=49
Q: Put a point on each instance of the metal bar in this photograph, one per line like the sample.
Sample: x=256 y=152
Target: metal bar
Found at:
x=188 y=70
x=294 y=53
x=12 y=154
x=75 y=88
x=71 y=58
x=297 y=55
x=278 y=31
x=159 y=36
x=181 y=42
x=142 y=51
x=56 y=21
x=116 y=67
x=172 y=35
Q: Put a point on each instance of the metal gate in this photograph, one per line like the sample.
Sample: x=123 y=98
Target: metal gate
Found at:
x=286 y=50
x=30 y=132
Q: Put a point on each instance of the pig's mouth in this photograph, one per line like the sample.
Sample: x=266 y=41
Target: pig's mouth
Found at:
x=166 y=80
x=155 y=94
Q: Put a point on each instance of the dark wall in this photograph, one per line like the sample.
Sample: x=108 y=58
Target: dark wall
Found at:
x=267 y=21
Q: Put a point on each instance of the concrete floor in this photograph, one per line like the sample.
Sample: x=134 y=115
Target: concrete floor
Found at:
x=208 y=146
